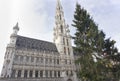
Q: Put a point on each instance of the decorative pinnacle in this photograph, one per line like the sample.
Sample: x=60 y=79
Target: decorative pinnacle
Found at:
x=16 y=27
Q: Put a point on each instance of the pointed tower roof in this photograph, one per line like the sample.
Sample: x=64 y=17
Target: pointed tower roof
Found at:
x=16 y=27
x=58 y=4
x=59 y=10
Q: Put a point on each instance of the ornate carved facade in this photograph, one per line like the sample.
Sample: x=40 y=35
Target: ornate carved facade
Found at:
x=28 y=59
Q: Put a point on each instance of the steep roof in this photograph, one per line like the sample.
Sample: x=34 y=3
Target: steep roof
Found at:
x=35 y=44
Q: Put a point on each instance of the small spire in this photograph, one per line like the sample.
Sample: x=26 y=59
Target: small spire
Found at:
x=16 y=27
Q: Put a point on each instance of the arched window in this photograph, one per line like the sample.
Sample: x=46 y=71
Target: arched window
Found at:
x=69 y=80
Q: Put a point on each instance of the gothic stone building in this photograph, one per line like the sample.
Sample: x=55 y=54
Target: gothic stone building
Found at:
x=28 y=59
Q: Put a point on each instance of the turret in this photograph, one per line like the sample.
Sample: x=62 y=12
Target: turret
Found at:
x=8 y=59
x=14 y=34
x=15 y=29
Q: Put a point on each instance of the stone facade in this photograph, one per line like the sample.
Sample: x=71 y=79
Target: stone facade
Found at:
x=28 y=59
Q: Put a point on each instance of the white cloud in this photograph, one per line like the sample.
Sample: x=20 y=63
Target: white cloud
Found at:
x=32 y=23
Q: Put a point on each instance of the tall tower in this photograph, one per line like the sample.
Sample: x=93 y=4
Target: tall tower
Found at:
x=62 y=39
x=10 y=50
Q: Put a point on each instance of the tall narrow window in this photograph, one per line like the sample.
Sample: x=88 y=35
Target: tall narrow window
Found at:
x=58 y=73
x=61 y=28
x=67 y=42
x=57 y=61
x=50 y=73
x=63 y=41
x=31 y=73
x=55 y=74
x=21 y=58
x=41 y=60
x=36 y=74
x=60 y=17
x=16 y=58
x=37 y=59
x=41 y=73
x=13 y=73
x=25 y=73
x=19 y=73
x=65 y=61
x=27 y=58
x=67 y=73
x=71 y=73
x=46 y=60
x=46 y=73
x=64 y=50
x=32 y=59
x=68 y=51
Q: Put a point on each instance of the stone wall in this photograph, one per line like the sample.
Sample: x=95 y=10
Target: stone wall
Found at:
x=31 y=79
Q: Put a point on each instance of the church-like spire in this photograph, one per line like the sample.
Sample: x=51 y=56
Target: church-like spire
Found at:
x=61 y=29
x=60 y=25
x=59 y=17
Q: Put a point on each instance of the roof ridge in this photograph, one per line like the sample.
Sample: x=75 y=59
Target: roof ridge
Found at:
x=35 y=39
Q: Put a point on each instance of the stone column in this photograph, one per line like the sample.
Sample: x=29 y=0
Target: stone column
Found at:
x=56 y=73
x=28 y=73
x=52 y=61
x=44 y=73
x=24 y=59
x=48 y=73
x=35 y=60
x=29 y=60
x=52 y=73
x=22 y=73
x=38 y=73
x=19 y=59
x=33 y=73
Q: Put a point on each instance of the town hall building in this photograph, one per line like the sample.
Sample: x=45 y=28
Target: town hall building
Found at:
x=29 y=59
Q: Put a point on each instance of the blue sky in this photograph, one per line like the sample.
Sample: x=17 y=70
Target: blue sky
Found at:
x=36 y=18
